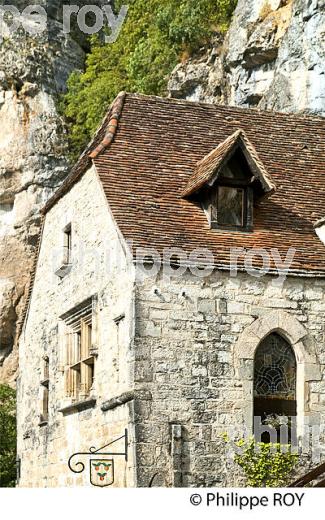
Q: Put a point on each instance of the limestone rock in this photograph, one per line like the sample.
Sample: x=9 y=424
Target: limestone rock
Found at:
x=33 y=158
x=273 y=57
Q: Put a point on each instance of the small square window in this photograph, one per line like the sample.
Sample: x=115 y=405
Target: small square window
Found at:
x=230 y=207
x=64 y=253
x=45 y=382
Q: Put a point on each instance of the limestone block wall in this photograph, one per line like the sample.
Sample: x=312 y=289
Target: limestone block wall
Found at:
x=194 y=349
x=99 y=267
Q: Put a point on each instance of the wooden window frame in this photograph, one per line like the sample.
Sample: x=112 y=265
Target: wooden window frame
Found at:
x=247 y=213
x=65 y=259
x=272 y=402
x=67 y=245
x=80 y=366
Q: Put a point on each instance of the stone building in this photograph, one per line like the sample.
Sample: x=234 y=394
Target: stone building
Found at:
x=178 y=292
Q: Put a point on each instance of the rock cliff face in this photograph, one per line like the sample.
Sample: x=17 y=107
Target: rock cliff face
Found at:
x=273 y=57
x=33 y=150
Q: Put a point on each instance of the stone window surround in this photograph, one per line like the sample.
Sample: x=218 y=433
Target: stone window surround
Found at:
x=303 y=345
x=44 y=390
x=68 y=403
x=64 y=260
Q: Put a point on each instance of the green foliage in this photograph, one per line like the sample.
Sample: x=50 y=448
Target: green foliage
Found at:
x=7 y=436
x=156 y=35
x=265 y=464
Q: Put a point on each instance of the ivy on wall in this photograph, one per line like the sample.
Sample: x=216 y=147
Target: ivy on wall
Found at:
x=155 y=36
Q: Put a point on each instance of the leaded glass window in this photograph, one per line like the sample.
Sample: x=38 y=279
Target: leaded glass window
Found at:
x=275 y=369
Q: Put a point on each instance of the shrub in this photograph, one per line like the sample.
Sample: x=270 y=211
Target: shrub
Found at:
x=265 y=464
x=7 y=436
x=153 y=39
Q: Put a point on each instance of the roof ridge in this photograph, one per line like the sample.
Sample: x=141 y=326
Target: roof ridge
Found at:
x=232 y=137
x=235 y=108
x=111 y=129
x=252 y=150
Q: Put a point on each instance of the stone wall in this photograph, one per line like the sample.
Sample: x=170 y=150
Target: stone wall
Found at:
x=175 y=357
x=99 y=267
x=190 y=354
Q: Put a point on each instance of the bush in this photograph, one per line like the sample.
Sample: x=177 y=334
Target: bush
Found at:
x=7 y=436
x=153 y=39
x=265 y=464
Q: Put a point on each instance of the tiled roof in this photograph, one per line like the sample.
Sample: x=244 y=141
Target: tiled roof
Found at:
x=155 y=151
x=211 y=165
x=111 y=127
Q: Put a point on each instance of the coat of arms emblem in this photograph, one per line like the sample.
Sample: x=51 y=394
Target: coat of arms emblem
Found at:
x=101 y=469
x=101 y=472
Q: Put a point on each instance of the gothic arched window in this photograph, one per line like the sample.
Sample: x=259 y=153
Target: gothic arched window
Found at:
x=275 y=381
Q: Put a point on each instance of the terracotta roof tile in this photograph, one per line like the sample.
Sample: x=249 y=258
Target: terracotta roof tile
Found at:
x=103 y=138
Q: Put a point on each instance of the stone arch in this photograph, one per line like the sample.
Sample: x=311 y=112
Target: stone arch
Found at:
x=303 y=345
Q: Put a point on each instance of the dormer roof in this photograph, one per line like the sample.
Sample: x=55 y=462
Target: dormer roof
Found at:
x=209 y=168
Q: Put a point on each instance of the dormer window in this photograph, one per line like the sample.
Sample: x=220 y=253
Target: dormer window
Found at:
x=229 y=201
x=226 y=183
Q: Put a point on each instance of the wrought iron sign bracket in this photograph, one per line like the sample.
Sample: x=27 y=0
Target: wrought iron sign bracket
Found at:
x=101 y=468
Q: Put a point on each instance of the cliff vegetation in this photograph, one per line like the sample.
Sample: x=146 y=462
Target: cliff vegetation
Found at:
x=154 y=38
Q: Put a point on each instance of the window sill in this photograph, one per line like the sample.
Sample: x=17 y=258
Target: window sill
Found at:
x=78 y=406
x=63 y=270
x=118 y=401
